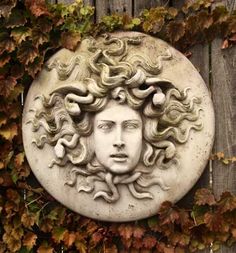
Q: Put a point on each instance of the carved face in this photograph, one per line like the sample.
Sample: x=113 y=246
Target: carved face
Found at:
x=118 y=137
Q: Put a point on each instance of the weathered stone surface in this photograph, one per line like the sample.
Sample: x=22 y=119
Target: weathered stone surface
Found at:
x=119 y=126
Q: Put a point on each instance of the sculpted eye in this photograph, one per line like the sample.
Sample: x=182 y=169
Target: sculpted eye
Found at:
x=130 y=125
x=105 y=126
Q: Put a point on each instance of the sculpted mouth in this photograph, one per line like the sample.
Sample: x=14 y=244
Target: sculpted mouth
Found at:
x=119 y=155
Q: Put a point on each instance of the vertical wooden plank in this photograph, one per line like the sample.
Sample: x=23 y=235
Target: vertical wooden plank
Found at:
x=140 y=5
x=224 y=98
x=107 y=7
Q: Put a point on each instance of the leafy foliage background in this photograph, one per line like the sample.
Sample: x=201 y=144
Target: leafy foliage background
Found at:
x=31 y=220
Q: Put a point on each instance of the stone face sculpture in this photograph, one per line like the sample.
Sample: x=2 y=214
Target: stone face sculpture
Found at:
x=119 y=126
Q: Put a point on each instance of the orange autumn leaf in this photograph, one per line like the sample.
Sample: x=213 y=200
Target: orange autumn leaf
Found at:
x=204 y=197
x=29 y=240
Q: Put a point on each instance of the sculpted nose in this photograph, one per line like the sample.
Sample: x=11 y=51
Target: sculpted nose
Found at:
x=119 y=143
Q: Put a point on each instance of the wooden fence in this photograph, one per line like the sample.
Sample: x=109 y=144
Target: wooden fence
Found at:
x=218 y=69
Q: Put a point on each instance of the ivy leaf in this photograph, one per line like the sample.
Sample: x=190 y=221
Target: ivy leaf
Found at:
x=20 y=34
x=39 y=37
x=9 y=131
x=58 y=233
x=45 y=249
x=175 y=30
x=17 y=71
x=34 y=67
x=27 y=53
x=6 y=6
x=6 y=43
x=4 y=59
x=29 y=240
x=205 y=20
x=204 y=197
x=227 y=202
x=125 y=231
x=19 y=159
x=69 y=238
x=137 y=243
x=149 y=242
x=97 y=237
x=28 y=219
x=7 y=84
x=173 y=12
x=167 y=213
x=70 y=40
x=215 y=222
x=37 y=7
x=16 y=19
x=138 y=232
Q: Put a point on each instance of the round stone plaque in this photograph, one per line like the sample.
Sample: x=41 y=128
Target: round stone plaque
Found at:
x=118 y=126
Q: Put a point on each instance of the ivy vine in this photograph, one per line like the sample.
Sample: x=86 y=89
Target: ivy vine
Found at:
x=30 y=219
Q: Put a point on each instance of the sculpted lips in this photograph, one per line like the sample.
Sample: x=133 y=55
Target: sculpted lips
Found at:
x=119 y=157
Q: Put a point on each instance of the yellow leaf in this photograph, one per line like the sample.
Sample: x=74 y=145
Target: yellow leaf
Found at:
x=8 y=132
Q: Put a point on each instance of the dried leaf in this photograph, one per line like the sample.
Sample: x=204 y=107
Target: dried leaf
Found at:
x=39 y=37
x=149 y=241
x=215 y=222
x=175 y=30
x=29 y=240
x=168 y=214
x=125 y=231
x=6 y=6
x=37 y=7
x=6 y=43
x=204 y=197
x=34 y=67
x=4 y=59
x=227 y=202
x=138 y=232
x=16 y=19
x=70 y=40
x=45 y=249
x=7 y=84
x=20 y=34
x=27 y=53
x=28 y=219
x=9 y=131
x=58 y=234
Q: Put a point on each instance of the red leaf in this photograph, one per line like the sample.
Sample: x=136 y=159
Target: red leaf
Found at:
x=215 y=222
x=204 y=197
x=125 y=231
x=138 y=232
x=168 y=214
x=149 y=242
x=37 y=7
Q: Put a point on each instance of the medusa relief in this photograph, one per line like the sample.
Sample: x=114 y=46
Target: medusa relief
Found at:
x=118 y=123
